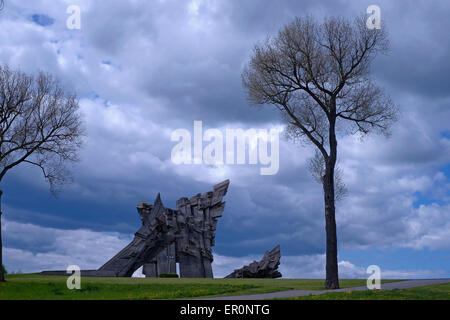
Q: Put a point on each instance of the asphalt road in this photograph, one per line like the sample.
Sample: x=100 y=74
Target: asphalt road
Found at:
x=295 y=293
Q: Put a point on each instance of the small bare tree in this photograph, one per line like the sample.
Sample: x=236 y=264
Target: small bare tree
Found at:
x=39 y=125
x=317 y=75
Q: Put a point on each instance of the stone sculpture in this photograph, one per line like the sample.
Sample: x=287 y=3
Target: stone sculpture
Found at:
x=167 y=236
x=266 y=268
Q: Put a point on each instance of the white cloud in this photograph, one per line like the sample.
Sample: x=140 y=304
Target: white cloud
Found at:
x=313 y=267
x=429 y=227
x=40 y=248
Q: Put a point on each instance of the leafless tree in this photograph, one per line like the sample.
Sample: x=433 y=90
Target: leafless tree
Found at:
x=317 y=74
x=40 y=125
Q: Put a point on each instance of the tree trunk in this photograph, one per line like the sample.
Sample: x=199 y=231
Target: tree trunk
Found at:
x=332 y=279
x=2 y=276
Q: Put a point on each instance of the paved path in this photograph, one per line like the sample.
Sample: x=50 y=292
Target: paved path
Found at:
x=295 y=293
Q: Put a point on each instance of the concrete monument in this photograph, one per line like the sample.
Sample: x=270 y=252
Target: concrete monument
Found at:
x=167 y=236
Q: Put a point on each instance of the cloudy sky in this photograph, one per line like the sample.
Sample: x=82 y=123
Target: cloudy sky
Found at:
x=142 y=69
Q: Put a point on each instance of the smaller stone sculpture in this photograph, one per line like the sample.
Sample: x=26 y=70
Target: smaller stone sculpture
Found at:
x=266 y=268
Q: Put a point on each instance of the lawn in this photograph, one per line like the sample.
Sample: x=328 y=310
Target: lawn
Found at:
x=37 y=286
x=433 y=292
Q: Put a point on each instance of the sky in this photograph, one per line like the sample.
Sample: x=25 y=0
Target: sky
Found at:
x=142 y=69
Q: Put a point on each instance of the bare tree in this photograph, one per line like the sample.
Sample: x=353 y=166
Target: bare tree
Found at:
x=317 y=75
x=39 y=125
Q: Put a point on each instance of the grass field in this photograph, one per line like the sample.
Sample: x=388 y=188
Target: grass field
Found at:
x=433 y=292
x=36 y=286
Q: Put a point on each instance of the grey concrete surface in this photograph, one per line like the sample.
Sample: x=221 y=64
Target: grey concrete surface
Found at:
x=295 y=293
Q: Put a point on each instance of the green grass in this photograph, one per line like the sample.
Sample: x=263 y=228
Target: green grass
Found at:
x=433 y=292
x=45 y=287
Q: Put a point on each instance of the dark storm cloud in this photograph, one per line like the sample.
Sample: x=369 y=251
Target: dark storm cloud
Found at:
x=42 y=20
x=418 y=61
x=143 y=69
